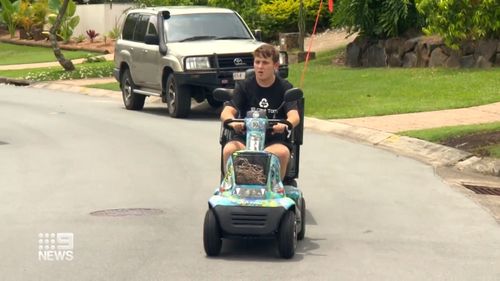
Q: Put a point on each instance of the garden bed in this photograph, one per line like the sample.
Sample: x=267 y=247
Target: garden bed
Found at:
x=97 y=46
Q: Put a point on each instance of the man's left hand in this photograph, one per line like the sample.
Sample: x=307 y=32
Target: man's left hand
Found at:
x=279 y=128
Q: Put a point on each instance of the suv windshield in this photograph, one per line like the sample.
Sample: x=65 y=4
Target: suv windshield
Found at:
x=209 y=26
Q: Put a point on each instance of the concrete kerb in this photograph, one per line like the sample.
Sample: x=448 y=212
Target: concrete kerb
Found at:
x=62 y=86
x=433 y=154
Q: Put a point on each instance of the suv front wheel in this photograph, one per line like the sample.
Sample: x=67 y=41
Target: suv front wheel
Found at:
x=131 y=100
x=178 y=99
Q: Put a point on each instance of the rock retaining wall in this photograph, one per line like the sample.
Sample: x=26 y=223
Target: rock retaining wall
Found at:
x=423 y=51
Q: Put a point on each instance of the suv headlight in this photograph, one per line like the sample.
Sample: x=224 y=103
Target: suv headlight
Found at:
x=197 y=63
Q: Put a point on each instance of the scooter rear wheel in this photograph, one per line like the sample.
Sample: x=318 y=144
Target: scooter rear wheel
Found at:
x=302 y=232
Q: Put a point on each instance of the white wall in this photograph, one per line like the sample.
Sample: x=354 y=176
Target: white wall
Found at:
x=99 y=17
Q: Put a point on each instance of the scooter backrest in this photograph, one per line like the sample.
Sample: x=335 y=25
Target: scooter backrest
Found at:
x=223 y=94
x=293 y=94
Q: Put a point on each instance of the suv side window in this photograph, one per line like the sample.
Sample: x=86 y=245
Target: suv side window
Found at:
x=152 y=26
x=129 y=26
x=140 y=28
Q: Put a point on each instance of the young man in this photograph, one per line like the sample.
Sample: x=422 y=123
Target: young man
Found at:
x=265 y=90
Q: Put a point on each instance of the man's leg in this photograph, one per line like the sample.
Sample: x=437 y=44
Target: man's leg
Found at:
x=229 y=149
x=283 y=154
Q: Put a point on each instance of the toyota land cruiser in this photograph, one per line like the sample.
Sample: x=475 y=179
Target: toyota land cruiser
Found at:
x=183 y=53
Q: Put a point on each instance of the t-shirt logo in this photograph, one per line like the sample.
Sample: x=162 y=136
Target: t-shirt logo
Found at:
x=263 y=103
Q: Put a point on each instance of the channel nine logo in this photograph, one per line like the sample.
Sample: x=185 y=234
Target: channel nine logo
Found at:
x=55 y=246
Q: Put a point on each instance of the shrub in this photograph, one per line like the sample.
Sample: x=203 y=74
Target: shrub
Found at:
x=114 y=33
x=89 y=58
x=80 y=38
x=282 y=16
x=98 y=70
x=69 y=20
x=92 y=34
x=8 y=14
x=377 y=18
x=461 y=20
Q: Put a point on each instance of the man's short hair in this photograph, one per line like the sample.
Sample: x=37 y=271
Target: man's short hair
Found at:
x=267 y=51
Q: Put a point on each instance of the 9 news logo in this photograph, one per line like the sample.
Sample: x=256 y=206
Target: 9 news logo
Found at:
x=55 y=246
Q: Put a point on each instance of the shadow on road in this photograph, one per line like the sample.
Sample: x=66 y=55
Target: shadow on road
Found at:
x=265 y=250
x=199 y=112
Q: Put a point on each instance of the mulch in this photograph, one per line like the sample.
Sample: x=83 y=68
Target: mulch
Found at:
x=96 y=46
x=474 y=143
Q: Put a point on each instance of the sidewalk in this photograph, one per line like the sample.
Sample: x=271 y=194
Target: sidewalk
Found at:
x=426 y=120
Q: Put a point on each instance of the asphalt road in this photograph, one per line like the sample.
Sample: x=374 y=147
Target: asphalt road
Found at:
x=63 y=156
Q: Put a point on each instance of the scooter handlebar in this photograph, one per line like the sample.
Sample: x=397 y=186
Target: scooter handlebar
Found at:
x=229 y=121
x=270 y=124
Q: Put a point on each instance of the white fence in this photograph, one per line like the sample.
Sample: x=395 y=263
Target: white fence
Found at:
x=100 y=17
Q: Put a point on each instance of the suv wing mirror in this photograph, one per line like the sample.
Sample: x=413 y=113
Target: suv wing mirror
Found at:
x=223 y=94
x=258 y=34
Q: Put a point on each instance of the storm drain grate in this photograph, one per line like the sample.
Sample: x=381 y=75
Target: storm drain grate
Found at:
x=478 y=189
x=127 y=212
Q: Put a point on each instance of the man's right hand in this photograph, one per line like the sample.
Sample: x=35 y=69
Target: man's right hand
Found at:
x=238 y=127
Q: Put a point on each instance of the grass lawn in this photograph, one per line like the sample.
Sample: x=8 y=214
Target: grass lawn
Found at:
x=443 y=135
x=341 y=92
x=113 y=86
x=18 y=54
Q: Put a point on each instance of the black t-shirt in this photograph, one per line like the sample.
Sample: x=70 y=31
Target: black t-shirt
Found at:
x=248 y=94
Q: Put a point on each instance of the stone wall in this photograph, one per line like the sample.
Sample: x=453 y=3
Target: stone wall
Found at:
x=423 y=51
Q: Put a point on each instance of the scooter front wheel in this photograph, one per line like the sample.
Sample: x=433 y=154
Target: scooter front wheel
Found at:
x=287 y=236
x=212 y=240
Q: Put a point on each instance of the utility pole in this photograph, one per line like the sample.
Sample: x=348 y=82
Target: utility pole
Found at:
x=302 y=26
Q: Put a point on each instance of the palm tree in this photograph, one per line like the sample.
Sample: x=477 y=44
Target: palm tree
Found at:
x=65 y=63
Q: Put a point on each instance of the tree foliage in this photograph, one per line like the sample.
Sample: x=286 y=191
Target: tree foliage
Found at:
x=461 y=20
x=283 y=15
x=248 y=10
x=377 y=18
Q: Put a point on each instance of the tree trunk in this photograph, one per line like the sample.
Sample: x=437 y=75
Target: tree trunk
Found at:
x=66 y=64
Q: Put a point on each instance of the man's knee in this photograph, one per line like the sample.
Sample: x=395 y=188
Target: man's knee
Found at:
x=232 y=146
x=280 y=150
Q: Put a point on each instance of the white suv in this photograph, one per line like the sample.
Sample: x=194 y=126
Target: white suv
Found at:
x=179 y=53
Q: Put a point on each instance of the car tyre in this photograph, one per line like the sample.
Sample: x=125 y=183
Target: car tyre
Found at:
x=287 y=235
x=212 y=240
x=302 y=232
x=178 y=99
x=131 y=100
